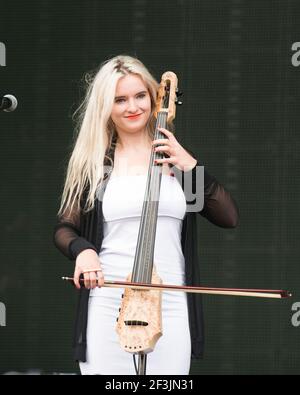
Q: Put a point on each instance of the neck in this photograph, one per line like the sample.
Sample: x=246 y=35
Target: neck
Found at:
x=133 y=141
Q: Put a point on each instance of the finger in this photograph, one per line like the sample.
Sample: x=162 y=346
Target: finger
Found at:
x=166 y=132
x=86 y=280
x=76 y=279
x=165 y=160
x=162 y=148
x=161 y=141
x=93 y=280
x=100 y=279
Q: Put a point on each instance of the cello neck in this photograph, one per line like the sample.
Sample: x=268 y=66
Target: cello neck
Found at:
x=144 y=255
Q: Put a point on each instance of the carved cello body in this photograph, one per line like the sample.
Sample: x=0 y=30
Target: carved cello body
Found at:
x=140 y=322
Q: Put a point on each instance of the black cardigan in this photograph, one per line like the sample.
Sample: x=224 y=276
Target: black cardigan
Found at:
x=77 y=232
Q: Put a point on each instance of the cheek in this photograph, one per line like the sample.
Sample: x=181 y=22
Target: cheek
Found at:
x=116 y=112
x=147 y=104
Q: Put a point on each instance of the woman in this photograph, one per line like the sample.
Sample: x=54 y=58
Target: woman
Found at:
x=100 y=213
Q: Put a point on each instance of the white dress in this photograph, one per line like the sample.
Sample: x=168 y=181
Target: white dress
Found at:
x=122 y=207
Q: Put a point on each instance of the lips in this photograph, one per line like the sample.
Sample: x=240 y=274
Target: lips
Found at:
x=133 y=116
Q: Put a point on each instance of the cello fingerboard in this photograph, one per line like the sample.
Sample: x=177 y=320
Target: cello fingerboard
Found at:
x=143 y=262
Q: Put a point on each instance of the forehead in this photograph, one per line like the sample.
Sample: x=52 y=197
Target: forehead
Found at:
x=130 y=84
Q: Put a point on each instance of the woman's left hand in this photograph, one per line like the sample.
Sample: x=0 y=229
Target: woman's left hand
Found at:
x=179 y=157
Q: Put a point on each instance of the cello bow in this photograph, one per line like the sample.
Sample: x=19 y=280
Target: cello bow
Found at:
x=259 y=293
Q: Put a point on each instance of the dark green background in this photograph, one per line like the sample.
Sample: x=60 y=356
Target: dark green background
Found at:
x=240 y=113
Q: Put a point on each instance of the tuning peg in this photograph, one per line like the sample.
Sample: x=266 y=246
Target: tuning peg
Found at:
x=179 y=103
x=178 y=92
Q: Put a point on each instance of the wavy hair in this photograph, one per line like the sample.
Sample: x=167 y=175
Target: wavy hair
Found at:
x=95 y=133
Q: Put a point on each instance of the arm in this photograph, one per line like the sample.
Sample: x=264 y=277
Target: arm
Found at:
x=68 y=239
x=67 y=236
x=219 y=206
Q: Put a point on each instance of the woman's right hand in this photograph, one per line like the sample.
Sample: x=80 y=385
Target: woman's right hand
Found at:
x=88 y=263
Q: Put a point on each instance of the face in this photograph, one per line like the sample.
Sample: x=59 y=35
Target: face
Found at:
x=132 y=104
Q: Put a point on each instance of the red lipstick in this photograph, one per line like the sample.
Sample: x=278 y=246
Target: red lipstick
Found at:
x=133 y=116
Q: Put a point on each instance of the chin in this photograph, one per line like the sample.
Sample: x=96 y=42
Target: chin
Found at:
x=136 y=126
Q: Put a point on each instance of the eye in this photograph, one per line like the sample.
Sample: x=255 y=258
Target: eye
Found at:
x=140 y=96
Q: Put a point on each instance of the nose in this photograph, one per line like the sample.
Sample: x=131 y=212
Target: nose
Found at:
x=132 y=105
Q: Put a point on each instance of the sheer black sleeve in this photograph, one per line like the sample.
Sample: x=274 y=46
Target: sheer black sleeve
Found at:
x=67 y=235
x=219 y=206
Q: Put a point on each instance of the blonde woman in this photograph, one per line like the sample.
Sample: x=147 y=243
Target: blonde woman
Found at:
x=99 y=217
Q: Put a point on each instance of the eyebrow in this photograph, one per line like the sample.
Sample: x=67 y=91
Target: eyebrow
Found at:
x=120 y=97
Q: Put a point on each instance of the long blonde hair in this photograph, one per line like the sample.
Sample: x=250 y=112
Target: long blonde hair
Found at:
x=96 y=132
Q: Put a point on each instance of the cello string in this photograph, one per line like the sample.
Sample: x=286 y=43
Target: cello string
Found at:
x=147 y=233
x=152 y=204
x=143 y=271
x=146 y=215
